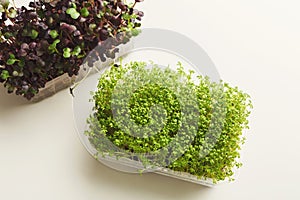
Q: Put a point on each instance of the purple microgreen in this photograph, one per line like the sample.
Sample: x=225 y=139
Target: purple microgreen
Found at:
x=51 y=38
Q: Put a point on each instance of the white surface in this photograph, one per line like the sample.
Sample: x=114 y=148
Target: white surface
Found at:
x=255 y=45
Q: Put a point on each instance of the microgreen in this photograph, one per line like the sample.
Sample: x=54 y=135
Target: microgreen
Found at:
x=84 y=12
x=67 y=52
x=73 y=13
x=201 y=157
x=12 y=59
x=50 y=38
x=53 y=34
x=52 y=47
x=4 y=74
x=76 y=51
x=34 y=34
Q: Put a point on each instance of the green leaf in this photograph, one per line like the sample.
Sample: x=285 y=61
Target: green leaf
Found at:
x=12 y=13
x=67 y=50
x=76 y=51
x=126 y=16
x=74 y=5
x=92 y=26
x=100 y=14
x=52 y=47
x=56 y=42
x=4 y=75
x=67 y=53
x=75 y=15
x=53 y=34
x=84 y=12
x=81 y=56
x=34 y=34
x=11 y=61
x=71 y=11
x=12 y=56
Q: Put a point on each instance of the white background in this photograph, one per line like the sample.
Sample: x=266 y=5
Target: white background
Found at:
x=255 y=45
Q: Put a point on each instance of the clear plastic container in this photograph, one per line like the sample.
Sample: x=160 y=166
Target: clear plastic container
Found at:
x=54 y=86
x=153 y=45
x=83 y=108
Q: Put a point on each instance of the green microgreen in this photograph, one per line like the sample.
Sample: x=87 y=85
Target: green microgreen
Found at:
x=52 y=47
x=67 y=53
x=4 y=74
x=73 y=13
x=54 y=34
x=34 y=34
x=211 y=153
x=84 y=12
x=76 y=51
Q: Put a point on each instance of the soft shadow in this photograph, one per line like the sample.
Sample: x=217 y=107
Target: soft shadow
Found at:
x=97 y=174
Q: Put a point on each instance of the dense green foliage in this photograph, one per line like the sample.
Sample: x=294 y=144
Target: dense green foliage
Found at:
x=148 y=114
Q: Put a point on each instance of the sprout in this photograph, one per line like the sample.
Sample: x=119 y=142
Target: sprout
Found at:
x=53 y=34
x=73 y=13
x=67 y=53
x=123 y=108
x=84 y=12
x=4 y=74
